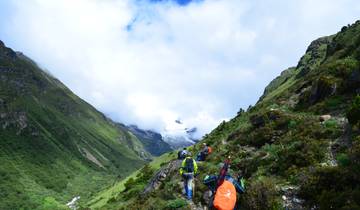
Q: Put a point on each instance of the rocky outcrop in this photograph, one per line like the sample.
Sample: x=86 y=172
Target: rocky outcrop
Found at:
x=324 y=87
x=353 y=82
x=161 y=175
x=315 y=54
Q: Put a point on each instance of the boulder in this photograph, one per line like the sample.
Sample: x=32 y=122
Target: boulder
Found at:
x=324 y=118
x=257 y=121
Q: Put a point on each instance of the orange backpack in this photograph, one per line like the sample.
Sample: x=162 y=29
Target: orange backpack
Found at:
x=225 y=196
x=209 y=150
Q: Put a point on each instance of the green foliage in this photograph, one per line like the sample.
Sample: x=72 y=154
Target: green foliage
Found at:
x=292 y=124
x=353 y=114
x=261 y=195
x=335 y=187
x=331 y=124
x=135 y=185
x=51 y=203
x=175 y=204
x=332 y=104
x=273 y=150
x=342 y=67
x=129 y=184
x=343 y=159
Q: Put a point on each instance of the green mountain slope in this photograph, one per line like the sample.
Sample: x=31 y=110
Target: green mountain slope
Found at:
x=52 y=143
x=295 y=147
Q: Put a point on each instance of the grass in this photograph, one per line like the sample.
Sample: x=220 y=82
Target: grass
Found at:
x=102 y=198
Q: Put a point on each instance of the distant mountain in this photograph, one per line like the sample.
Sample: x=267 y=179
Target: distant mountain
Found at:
x=54 y=145
x=152 y=141
x=177 y=141
x=178 y=135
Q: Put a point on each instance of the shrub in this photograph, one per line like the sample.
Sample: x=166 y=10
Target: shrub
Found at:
x=331 y=124
x=129 y=183
x=292 y=124
x=343 y=67
x=51 y=203
x=353 y=114
x=175 y=204
x=261 y=194
x=343 y=159
x=333 y=103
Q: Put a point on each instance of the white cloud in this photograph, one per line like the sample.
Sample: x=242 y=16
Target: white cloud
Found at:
x=199 y=62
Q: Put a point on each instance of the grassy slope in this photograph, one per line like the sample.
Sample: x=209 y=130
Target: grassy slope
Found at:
x=46 y=132
x=101 y=200
x=280 y=143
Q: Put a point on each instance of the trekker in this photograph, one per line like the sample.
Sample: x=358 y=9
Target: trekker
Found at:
x=182 y=154
x=203 y=153
x=188 y=170
x=224 y=188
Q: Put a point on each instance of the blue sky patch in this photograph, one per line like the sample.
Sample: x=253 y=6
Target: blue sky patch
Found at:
x=180 y=2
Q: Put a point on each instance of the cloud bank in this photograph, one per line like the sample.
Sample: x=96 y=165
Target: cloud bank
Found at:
x=150 y=63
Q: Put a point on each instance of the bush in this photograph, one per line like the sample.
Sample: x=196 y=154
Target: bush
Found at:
x=175 y=204
x=292 y=124
x=51 y=203
x=331 y=124
x=331 y=188
x=261 y=194
x=129 y=183
x=343 y=67
x=343 y=159
x=353 y=114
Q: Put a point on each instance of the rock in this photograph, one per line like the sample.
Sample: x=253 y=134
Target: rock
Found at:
x=353 y=82
x=274 y=114
x=207 y=196
x=290 y=199
x=324 y=118
x=72 y=204
x=257 y=121
x=160 y=176
x=324 y=87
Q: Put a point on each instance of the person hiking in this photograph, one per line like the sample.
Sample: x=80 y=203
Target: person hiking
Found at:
x=182 y=154
x=188 y=170
x=203 y=153
x=224 y=188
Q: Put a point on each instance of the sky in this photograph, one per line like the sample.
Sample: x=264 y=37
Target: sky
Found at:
x=151 y=62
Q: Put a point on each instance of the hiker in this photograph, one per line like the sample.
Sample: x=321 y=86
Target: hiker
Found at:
x=188 y=170
x=203 y=153
x=182 y=154
x=224 y=188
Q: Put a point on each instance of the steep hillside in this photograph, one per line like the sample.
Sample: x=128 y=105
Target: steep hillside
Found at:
x=53 y=145
x=295 y=147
